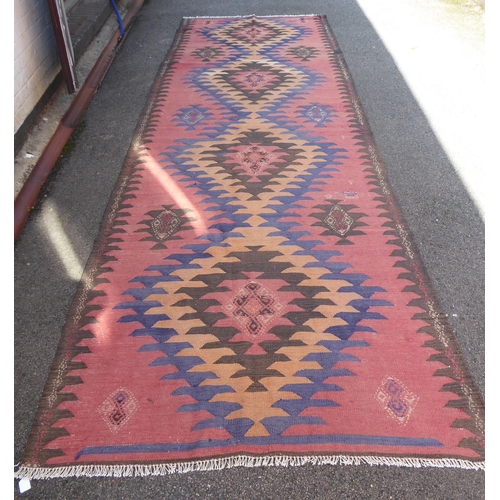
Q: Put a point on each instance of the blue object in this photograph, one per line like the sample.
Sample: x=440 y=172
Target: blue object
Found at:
x=122 y=31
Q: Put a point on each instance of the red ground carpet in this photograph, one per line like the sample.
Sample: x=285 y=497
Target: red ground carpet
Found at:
x=254 y=297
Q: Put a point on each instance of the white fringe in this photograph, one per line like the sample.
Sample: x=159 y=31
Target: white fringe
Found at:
x=236 y=461
x=251 y=15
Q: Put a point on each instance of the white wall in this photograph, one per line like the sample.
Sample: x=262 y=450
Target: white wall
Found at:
x=36 y=60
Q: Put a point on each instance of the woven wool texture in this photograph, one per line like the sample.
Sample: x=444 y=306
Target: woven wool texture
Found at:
x=254 y=296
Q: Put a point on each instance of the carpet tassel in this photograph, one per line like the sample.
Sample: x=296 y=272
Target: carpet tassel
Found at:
x=237 y=461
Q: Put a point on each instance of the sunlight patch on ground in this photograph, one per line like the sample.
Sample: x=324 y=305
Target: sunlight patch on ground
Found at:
x=439 y=50
x=61 y=243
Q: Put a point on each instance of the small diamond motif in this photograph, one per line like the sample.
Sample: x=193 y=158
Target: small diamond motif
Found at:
x=165 y=224
x=303 y=52
x=207 y=53
x=192 y=117
x=253 y=307
x=396 y=399
x=255 y=158
x=316 y=114
x=118 y=408
x=339 y=220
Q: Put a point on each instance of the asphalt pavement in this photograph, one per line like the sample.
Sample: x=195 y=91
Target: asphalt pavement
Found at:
x=435 y=173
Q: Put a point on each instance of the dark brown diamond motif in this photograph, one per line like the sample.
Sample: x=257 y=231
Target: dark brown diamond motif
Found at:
x=339 y=220
x=165 y=224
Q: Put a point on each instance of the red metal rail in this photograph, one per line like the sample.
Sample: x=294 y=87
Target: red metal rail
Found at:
x=29 y=193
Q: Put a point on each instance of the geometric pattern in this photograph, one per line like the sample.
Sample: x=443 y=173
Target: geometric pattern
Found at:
x=117 y=409
x=254 y=282
x=396 y=399
x=339 y=220
x=253 y=307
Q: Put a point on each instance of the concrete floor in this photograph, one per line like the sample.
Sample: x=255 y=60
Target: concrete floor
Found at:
x=418 y=69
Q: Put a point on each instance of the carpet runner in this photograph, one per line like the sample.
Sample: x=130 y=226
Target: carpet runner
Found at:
x=254 y=297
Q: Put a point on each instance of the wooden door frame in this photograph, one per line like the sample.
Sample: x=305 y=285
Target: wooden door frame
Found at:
x=64 y=44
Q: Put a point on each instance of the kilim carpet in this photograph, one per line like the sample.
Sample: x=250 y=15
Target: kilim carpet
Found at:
x=254 y=297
